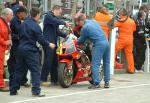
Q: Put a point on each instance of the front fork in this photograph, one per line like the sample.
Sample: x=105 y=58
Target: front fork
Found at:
x=69 y=65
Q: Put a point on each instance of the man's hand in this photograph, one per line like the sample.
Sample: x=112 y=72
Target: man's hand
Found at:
x=75 y=41
x=51 y=45
x=8 y=43
x=68 y=24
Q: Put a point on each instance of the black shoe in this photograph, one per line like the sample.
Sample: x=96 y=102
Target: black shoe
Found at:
x=13 y=93
x=26 y=85
x=106 y=85
x=93 y=86
x=38 y=95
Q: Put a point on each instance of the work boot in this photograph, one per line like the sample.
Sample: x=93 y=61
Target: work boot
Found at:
x=45 y=84
x=4 y=89
x=38 y=95
x=94 y=86
x=106 y=85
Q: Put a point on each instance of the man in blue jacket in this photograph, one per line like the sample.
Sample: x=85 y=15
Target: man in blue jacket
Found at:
x=15 y=26
x=15 y=5
x=51 y=32
x=91 y=30
x=28 y=53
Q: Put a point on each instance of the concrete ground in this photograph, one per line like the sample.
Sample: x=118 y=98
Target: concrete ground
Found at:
x=125 y=88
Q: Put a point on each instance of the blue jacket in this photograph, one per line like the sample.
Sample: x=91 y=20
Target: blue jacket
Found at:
x=15 y=26
x=51 y=27
x=30 y=34
x=91 y=30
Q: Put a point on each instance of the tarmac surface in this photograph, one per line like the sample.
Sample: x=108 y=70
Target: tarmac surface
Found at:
x=125 y=88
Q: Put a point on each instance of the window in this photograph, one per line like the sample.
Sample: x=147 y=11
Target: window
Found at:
x=144 y=1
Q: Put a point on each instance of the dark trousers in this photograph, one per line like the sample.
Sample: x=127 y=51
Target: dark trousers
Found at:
x=12 y=65
x=31 y=60
x=139 y=52
x=50 y=65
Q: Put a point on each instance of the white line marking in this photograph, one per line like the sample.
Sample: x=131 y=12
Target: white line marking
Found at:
x=91 y=91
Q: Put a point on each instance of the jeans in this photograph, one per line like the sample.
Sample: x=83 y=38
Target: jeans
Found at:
x=101 y=51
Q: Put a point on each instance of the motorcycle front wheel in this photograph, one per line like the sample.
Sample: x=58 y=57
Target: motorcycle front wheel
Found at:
x=65 y=75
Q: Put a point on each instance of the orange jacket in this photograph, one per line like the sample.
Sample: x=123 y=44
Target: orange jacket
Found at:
x=103 y=18
x=4 y=35
x=126 y=28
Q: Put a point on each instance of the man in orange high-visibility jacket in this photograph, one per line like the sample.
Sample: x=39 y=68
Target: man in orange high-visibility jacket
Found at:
x=125 y=39
x=5 y=42
x=103 y=17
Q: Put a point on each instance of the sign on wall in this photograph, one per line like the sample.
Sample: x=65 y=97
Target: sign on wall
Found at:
x=109 y=4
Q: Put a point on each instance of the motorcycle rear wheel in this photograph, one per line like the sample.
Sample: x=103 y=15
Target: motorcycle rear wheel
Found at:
x=65 y=75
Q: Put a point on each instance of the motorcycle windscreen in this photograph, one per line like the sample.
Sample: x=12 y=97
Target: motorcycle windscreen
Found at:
x=70 y=46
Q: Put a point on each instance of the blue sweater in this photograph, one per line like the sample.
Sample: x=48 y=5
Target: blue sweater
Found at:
x=51 y=27
x=91 y=30
x=30 y=34
x=15 y=26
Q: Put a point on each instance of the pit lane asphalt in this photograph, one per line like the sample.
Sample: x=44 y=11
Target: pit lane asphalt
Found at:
x=125 y=88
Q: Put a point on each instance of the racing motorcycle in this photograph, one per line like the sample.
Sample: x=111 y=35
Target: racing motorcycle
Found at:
x=74 y=63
